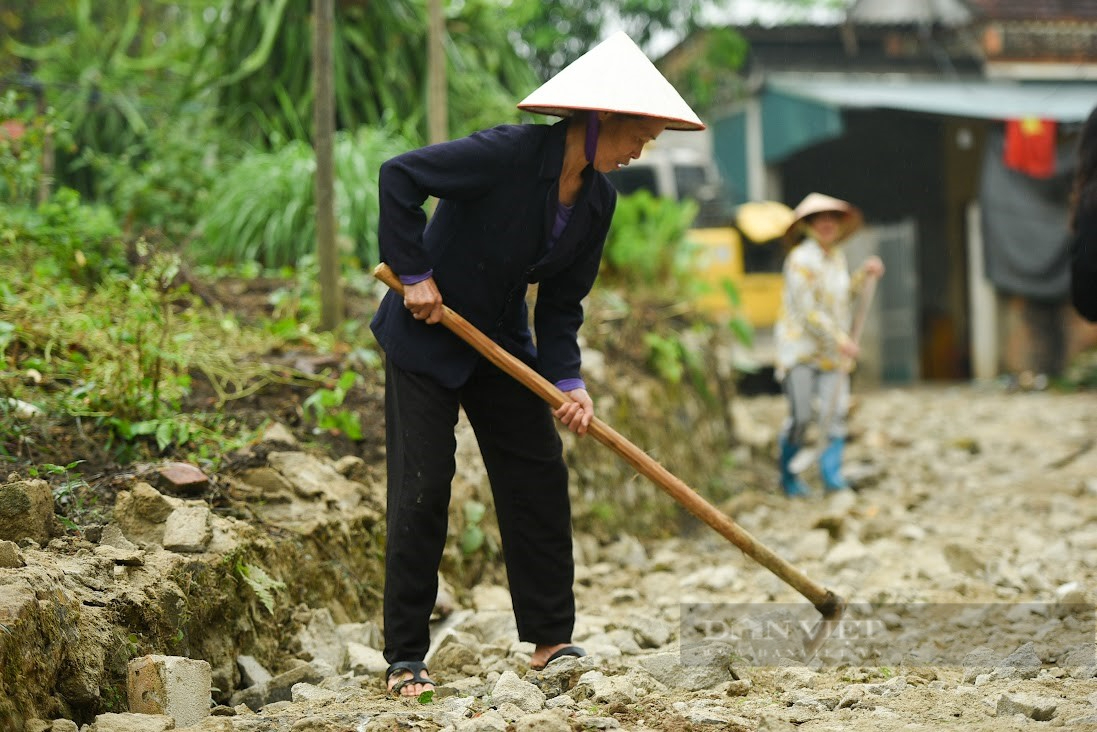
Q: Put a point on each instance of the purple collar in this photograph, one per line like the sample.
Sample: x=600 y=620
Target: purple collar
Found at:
x=593 y=126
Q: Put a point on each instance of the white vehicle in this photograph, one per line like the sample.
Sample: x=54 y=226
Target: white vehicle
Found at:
x=680 y=173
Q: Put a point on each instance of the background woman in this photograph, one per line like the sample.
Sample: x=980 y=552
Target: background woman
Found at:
x=814 y=347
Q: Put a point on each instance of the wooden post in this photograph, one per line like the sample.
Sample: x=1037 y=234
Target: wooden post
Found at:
x=45 y=175
x=331 y=296
x=437 y=103
x=983 y=303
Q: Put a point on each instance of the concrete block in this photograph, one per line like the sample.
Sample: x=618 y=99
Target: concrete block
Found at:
x=170 y=685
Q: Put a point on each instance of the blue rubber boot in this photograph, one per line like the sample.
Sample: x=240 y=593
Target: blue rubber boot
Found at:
x=830 y=465
x=791 y=484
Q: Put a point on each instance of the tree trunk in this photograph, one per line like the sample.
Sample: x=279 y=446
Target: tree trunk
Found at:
x=331 y=296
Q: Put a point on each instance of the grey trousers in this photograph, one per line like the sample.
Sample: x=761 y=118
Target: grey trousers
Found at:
x=815 y=394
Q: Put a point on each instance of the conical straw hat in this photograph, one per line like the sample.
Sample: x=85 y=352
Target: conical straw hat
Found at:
x=815 y=203
x=614 y=76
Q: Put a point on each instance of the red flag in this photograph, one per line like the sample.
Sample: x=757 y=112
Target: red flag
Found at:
x=1030 y=146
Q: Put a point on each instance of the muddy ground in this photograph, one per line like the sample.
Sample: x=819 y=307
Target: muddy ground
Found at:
x=967 y=553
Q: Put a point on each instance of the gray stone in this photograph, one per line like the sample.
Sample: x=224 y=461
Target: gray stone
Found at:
x=252 y=672
x=491 y=597
x=963 y=560
x=279 y=433
x=1038 y=708
x=135 y=558
x=365 y=661
x=492 y=626
x=317 y=479
x=348 y=464
x=187 y=529
x=851 y=697
x=705 y=712
x=627 y=551
x=510 y=689
x=560 y=702
x=741 y=687
x=128 y=722
x=1080 y=662
x=26 y=511
x=368 y=634
x=597 y=723
x=142 y=511
x=310 y=693
x=546 y=721
x=1086 y=722
x=978 y=662
x=272 y=486
x=112 y=536
x=850 y=553
x=669 y=670
x=10 y=556
x=278 y=689
x=1024 y=663
x=649 y=632
x=320 y=639
x=489 y=721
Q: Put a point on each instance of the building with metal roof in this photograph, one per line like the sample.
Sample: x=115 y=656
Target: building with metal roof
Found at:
x=902 y=107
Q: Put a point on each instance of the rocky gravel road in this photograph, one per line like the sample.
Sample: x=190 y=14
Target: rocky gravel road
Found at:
x=967 y=552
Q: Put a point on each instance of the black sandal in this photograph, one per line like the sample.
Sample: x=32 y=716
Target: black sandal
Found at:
x=575 y=651
x=417 y=669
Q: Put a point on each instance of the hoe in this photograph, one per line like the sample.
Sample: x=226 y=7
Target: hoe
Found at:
x=830 y=605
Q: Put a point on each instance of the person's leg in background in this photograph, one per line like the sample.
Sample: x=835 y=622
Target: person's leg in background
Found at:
x=834 y=398
x=800 y=385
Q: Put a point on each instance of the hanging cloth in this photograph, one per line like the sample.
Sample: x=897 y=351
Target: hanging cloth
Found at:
x=1030 y=146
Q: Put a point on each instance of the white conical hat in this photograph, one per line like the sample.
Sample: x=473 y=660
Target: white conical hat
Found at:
x=815 y=203
x=614 y=76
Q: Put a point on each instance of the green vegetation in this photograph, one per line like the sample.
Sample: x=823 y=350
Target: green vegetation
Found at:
x=261 y=583
x=262 y=209
x=159 y=295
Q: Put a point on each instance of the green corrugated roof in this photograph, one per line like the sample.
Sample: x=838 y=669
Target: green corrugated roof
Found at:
x=1061 y=101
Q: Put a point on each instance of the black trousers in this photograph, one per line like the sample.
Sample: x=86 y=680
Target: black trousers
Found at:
x=523 y=454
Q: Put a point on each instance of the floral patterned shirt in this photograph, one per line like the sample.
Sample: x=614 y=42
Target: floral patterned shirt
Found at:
x=815 y=311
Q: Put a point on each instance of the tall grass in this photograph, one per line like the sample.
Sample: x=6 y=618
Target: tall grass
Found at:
x=263 y=210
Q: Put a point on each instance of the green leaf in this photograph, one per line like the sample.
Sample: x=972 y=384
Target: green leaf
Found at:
x=347 y=380
x=261 y=583
x=474 y=511
x=742 y=329
x=164 y=435
x=472 y=538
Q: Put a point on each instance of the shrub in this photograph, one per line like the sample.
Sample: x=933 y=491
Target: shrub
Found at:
x=161 y=182
x=263 y=209
x=62 y=238
x=647 y=246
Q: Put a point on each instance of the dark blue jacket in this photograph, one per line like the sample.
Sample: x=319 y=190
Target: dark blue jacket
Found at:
x=485 y=243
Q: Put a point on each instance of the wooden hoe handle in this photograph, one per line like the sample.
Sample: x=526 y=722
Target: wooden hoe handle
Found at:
x=825 y=601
